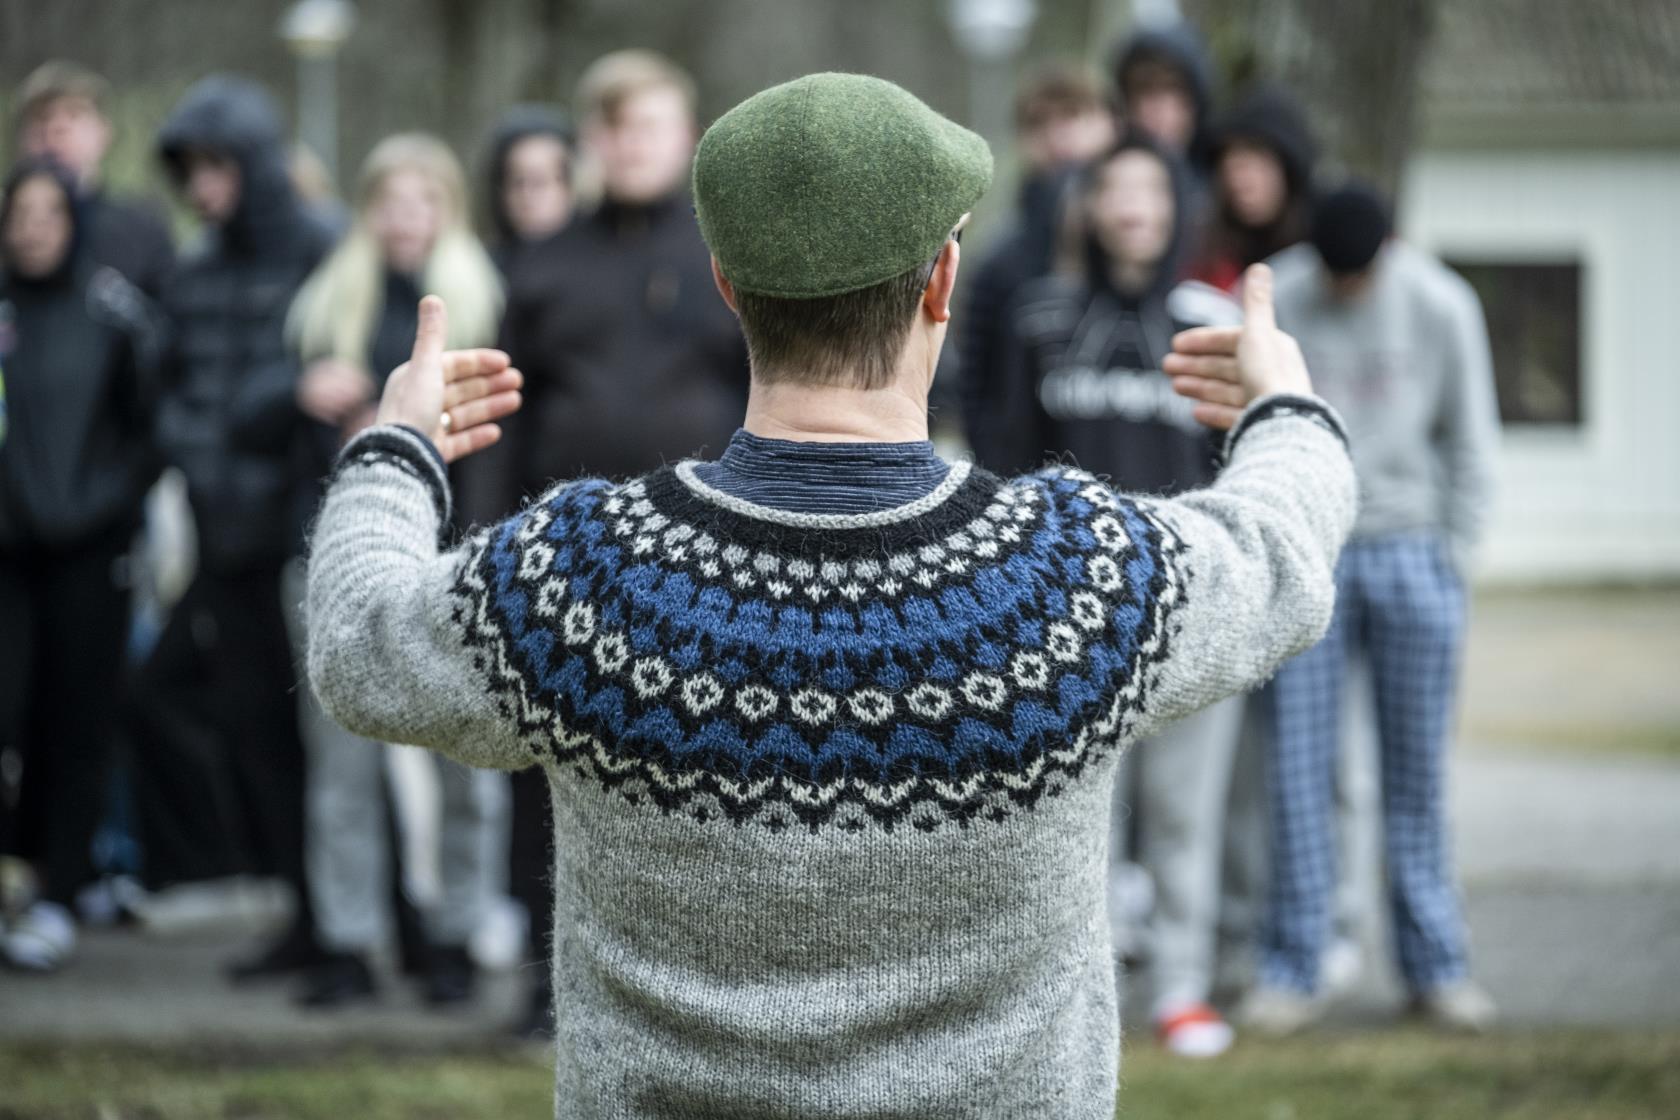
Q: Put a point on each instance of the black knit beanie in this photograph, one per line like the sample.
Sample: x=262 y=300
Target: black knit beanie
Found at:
x=1349 y=225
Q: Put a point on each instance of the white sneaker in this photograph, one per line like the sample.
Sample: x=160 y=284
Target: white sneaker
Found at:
x=42 y=939
x=1343 y=965
x=1193 y=1030
x=1279 y=1011
x=1461 y=1006
x=1131 y=899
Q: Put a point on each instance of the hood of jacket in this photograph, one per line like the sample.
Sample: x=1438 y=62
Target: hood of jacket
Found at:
x=1180 y=46
x=1271 y=116
x=73 y=262
x=234 y=116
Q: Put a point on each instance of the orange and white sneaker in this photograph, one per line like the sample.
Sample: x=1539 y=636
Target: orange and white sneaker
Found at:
x=1193 y=1030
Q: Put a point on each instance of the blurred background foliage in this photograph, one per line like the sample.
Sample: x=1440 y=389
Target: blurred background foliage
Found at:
x=451 y=65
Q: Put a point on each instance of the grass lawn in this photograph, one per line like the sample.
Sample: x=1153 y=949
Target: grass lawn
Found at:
x=1596 y=1075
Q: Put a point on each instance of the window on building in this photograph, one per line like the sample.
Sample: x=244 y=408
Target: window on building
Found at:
x=1534 y=325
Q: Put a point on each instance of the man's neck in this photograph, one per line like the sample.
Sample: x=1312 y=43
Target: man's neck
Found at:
x=832 y=414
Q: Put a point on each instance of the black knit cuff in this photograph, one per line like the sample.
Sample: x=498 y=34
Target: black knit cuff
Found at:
x=407 y=449
x=1286 y=404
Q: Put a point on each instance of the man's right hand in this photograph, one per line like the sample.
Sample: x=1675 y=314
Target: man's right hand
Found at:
x=1223 y=369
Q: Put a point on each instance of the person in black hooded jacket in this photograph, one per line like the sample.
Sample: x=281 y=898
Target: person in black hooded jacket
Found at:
x=1085 y=368
x=81 y=347
x=1165 y=87
x=529 y=196
x=1262 y=153
x=230 y=421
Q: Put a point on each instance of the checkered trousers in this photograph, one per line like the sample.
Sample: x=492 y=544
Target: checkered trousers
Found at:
x=1399 y=598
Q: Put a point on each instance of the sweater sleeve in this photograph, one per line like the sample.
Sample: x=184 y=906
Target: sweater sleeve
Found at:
x=387 y=654
x=1254 y=556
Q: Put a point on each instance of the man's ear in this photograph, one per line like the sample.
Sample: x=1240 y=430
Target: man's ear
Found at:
x=724 y=287
x=936 y=300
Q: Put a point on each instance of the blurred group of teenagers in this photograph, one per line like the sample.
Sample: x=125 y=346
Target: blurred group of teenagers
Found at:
x=152 y=723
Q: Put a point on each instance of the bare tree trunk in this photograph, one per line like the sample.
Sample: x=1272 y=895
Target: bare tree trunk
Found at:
x=1355 y=64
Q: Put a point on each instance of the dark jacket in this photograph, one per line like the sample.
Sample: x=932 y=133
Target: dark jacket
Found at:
x=631 y=358
x=1021 y=254
x=131 y=237
x=1084 y=372
x=230 y=418
x=81 y=350
x=1272 y=118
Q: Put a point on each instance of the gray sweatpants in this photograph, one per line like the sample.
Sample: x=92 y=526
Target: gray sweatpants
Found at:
x=347 y=841
x=1176 y=783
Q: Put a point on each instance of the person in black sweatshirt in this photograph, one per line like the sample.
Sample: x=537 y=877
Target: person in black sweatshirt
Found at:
x=61 y=116
x=631 y=358
x=1088 y=388
x=230 y=421
x=81 y=348
x=1061 y=121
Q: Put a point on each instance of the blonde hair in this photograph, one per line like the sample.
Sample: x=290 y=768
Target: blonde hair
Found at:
x=336 y=311
x=615 y=78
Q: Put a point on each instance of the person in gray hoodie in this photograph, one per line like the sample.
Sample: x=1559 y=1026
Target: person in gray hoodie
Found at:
x=1397 y=343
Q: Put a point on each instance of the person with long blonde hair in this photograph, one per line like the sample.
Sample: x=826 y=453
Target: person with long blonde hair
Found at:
x=352 y=323
x=410 y=236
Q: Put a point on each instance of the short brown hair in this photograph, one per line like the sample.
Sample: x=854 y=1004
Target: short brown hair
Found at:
x=850 y=340
x=57 y=79
x=615 y=78
x=1057 y=90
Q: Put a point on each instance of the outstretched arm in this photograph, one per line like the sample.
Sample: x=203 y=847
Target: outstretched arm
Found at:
x=387 y=656
x=1257 y=550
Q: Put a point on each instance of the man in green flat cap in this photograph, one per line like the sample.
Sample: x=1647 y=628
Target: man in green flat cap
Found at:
x=830 y=723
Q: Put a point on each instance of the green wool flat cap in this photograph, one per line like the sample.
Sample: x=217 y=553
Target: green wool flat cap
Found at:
x=831 y=183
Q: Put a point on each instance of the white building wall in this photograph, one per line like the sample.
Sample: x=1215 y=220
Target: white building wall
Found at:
x=1601 y=502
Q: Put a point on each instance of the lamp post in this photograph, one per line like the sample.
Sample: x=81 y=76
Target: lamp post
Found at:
x=315 y=30
x=991 y=33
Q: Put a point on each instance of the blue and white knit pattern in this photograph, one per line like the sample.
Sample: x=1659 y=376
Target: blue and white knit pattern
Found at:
x=830 y=790
x=958 y=657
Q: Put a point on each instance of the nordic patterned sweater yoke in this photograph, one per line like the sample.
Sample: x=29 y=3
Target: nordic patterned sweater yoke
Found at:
x=831 y=790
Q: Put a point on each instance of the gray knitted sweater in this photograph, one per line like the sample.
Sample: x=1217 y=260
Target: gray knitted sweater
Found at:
x=831 y=791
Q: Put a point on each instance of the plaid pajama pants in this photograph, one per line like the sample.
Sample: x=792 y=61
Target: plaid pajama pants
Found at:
x=1400 y=598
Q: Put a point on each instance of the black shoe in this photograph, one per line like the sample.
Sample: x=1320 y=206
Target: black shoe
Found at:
x=537 y=1024
x=451 y=977
x=294 y=951
x=339 y=979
